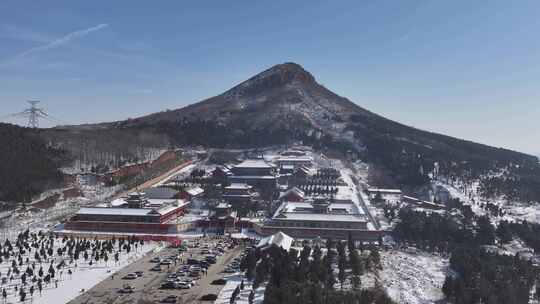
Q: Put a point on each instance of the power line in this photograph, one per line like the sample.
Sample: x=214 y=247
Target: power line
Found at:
x=34 y=113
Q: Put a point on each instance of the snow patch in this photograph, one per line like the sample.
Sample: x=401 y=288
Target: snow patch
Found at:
x=413 y=278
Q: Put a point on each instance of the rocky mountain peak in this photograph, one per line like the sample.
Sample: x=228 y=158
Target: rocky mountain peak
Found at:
x=291 y=71
x=277 y=76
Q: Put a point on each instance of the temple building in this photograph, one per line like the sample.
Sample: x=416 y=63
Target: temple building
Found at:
x=320 y=218
x=254 y=172
x=239 y=193
x=294 y=161
x=220 y=220
x=134 y=214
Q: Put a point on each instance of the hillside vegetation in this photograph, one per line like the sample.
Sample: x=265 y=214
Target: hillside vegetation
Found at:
x=28 y=165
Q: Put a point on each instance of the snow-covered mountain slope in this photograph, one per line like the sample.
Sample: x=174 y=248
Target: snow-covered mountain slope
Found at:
x=284 y=104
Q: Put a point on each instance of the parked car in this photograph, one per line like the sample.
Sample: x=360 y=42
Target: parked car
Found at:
x=169 y=285
x=155 y=260
x=127 y=289
x=219 y=282
x=130 y=276
x=170 y=299
x=139 y=273
x=183 y=285
x=166 y=262
x=209 y=297
x=189 y=280
x=156 y=268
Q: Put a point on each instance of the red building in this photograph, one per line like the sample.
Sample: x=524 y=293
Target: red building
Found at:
x=140 y=216
x=221 y=219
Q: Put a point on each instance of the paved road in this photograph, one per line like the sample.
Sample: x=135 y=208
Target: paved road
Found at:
x=363 y=203
x=147 y=287
x=366 y=210
x=157 y=179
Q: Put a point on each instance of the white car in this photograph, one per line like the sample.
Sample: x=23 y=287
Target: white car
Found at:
x=130 y=276
x=188 y=281
x=127 y=289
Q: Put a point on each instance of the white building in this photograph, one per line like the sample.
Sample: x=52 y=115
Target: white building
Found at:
x=320 y=218
x=389 y=195
x=295 y=161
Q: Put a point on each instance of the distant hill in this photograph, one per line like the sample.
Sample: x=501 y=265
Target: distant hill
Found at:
x=285 y=104
x=27 y=164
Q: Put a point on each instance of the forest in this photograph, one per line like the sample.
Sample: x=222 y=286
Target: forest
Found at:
x=485 y=277
x=478 y=274
x=408 y=154
x=529 y=233
x=294 y=277
x=28 y=166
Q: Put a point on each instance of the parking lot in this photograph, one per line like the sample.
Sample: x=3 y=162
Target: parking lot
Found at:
x=175 y=277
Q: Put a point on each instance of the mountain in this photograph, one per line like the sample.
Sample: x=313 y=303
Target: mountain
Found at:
x=285 y=104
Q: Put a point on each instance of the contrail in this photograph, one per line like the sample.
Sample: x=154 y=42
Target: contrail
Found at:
x=61 y=41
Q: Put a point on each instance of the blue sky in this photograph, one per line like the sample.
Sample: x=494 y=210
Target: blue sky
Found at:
x=469 y=69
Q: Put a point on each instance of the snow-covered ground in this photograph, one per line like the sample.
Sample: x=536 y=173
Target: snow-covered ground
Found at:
x=64 y=287
x=413 y=278
x=98 y=192
x=184 y=172
x=85 y=277
x=37 y=220
x=530 y=213
x=516 y=246
x=233 y=281
x=514 y=211
x=45 y=219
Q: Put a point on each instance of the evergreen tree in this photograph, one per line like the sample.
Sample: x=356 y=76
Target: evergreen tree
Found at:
x=251 y=297
x=486 y=231
x=342 y=263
